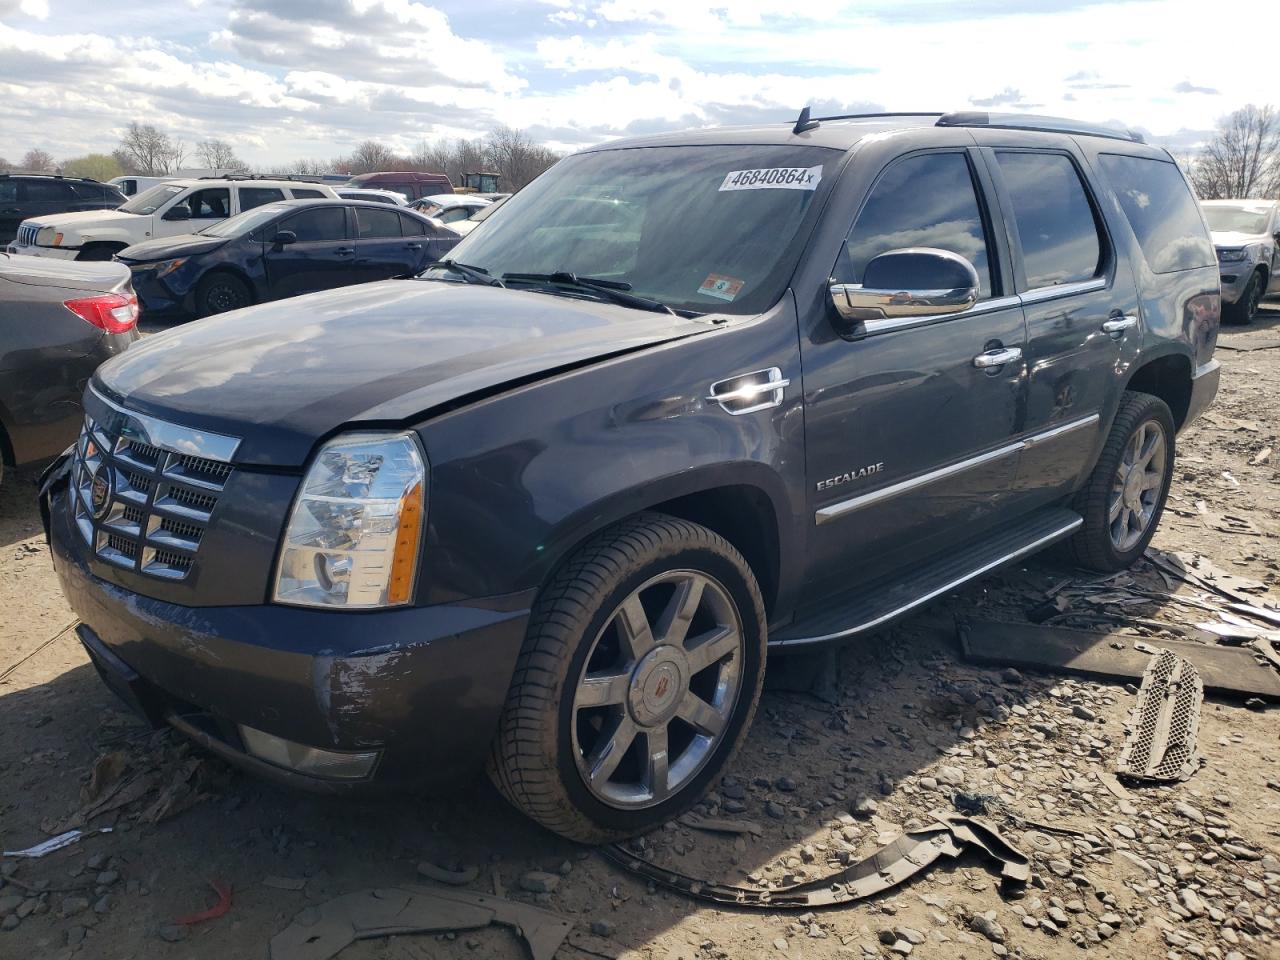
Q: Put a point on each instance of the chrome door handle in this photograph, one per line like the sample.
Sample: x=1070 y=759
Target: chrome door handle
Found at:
x=998 y=358
x=1120 y=324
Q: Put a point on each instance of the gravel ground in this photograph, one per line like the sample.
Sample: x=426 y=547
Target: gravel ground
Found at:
x=1169 y=871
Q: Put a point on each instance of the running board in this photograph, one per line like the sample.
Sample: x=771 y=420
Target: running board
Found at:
x=875 y=603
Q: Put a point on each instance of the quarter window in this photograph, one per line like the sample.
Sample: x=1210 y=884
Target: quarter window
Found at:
x=299 y=194
x=322 y=223
x=1159 y=206
x=927 y=200
x=413 y=227
x=1055 y=221
x=211 y=204
x=376 y=224
x=251 y=197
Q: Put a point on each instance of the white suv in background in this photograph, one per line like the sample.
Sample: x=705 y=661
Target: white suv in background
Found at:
x=168 y=209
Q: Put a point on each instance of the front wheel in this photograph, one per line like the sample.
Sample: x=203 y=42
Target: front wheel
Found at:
x=638 y=679
x=1125 y=495
x=1245 y=309
x=220 y=292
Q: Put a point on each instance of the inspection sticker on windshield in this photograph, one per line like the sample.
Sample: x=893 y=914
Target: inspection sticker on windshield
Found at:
x=723 y=288
x=773 y=178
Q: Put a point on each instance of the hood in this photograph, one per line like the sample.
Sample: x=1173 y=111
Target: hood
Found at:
x=86 y=218
x=281 y=375
x=166 y=248
x=100 y=277
x=1233 y=239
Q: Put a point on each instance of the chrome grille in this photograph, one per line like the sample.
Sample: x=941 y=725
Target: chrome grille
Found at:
x=27 y=235
x=154 y=501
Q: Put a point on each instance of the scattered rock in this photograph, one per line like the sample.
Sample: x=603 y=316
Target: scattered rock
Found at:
x=864 y=807
x=173 y=932
x=1083 y=713
x=539 y=881
x=10 y=922
x=912 y=936
x=74 y=905
x=786 y=784
x=75 y=935
x=602 y=928
x=775 y=810
x=987 y=927
x=10 y=903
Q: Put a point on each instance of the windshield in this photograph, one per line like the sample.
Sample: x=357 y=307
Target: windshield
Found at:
x=243 y=223
x=149 y=201
x=1224 y=219
x=697 y=228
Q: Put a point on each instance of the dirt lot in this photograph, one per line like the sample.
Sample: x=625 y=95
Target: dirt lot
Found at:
x=1185 y=870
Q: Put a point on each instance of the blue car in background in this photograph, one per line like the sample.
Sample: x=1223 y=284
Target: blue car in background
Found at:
x=281 y=250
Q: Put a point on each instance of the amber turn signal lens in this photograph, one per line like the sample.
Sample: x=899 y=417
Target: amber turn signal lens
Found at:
x=404 y=559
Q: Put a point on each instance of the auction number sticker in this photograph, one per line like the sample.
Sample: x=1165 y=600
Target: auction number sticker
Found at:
x=721 y=287
x=773 y=178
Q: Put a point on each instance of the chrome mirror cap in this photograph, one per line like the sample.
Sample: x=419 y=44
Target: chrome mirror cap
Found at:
x=911 y=282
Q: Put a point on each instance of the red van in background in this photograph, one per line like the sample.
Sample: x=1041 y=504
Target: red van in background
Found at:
x=409 y=182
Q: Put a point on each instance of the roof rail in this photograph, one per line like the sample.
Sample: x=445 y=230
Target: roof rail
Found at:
x=301 y=178
x=807 y=122
x=1031 y=121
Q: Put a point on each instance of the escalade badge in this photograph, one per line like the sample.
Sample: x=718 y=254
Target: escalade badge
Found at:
x=100 y=493
x=861 y=473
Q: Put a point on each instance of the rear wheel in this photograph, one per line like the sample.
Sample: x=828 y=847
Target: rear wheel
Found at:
x=220 y=292
x=1246 y=308
x=638 y=680
x=1124 y=498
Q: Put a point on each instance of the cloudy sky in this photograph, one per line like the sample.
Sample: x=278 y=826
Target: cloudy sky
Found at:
x=285 y=79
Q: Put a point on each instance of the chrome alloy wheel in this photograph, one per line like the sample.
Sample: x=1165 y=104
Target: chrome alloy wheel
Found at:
x=657 y=690
x=1135 y=493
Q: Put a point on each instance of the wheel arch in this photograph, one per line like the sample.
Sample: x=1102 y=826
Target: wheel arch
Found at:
x=115 y=246
x=236 y=271
x=743 y=502
x=1167 y=376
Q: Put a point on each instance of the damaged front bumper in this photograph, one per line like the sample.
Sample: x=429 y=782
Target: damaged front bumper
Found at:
x=421 y=688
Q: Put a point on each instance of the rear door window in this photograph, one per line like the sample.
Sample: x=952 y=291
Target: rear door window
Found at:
x=213 y=203
x=318 y=224
x=928 y=200
x=1159 y=206
x=251 y=197
x=44 y=191
x=376 y=224
x=1054 y=218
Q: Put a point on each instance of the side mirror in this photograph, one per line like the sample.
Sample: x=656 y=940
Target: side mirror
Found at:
x=179 y=212
x=284 y=237
x=912 y=282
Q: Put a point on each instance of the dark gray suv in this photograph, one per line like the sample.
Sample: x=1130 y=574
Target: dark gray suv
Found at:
x=683 y=400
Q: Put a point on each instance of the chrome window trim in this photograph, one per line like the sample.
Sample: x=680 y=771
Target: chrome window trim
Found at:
x=889 y=324
x=170 y=437
x=836 y=510
x=932 y=594
x=1042 y=294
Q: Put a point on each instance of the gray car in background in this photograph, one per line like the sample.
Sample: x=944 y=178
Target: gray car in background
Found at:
x=58 y=321
x=1246 y=235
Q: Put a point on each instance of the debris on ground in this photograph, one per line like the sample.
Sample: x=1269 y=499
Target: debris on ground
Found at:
x=1223 y=669
x=55 y=843
x=886 y=868
x=1161 y=742
x=459 y=877
x=220 y=908
x=323 y=931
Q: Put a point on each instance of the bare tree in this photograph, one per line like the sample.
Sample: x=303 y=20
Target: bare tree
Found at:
x=150 y=151
x=39 y=161
x=1243 y=158
x=220 y=155
x=126 y=162
x=372 y=155
x=512 y=154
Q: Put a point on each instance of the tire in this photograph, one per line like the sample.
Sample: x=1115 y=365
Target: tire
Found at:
x=552 y=733
x=98 y=252
x=220 y=292
x=1122 y=503
x=1245 y=309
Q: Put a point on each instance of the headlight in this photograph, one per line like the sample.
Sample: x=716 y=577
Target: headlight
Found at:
x=354 y=533
x=168 y=266
x=48 y=237
x=1231 y=256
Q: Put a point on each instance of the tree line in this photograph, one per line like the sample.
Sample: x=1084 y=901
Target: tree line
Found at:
x=145 y=150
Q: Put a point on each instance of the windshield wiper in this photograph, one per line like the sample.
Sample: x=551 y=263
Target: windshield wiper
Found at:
x=472 y=274
x=612 y=290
